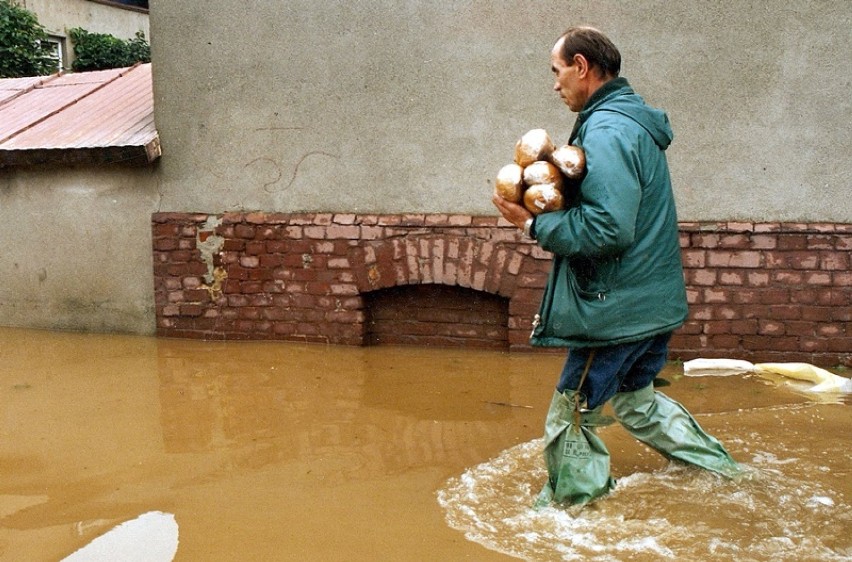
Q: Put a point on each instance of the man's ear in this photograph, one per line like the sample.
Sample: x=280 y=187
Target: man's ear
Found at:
x=582 y=65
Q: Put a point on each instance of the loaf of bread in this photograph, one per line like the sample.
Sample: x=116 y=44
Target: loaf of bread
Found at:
x=510 y=183
x=571 y=160
x=543 y=198
x=542 y=177
x=541 y=172
x=533 y=145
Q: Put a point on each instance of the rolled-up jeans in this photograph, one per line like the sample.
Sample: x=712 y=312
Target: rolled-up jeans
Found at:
x=617 y=368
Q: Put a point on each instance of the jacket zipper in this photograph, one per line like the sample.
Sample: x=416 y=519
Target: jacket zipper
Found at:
x=536 y=321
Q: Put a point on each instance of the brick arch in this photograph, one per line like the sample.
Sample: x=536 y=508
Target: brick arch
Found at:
x=440 y=259
x=498 y=267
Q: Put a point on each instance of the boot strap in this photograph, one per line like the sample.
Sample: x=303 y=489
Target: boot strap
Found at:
x=577 y=415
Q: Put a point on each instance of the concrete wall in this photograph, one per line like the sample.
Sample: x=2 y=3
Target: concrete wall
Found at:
x=389 y=106
x=76 y=249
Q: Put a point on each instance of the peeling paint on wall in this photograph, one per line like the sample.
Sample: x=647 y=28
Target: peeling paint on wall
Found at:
x=210 y=244
x=215 y=288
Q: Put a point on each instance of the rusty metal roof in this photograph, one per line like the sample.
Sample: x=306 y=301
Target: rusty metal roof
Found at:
x=99 y=117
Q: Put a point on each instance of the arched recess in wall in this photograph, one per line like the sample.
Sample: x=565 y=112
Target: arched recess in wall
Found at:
x=414 y=287
x=436 y=315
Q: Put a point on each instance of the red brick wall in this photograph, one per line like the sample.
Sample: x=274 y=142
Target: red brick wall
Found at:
x=762 y=292
x=768 y=292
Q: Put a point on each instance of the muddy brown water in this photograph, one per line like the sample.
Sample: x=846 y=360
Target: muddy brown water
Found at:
x=278 y=451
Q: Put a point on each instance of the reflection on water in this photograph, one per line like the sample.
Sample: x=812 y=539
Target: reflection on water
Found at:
x=257 y=448
x=260 y=448
x=316 y=402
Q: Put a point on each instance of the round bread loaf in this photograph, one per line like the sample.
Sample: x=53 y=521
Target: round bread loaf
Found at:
x=541 y=172
x=543 y=198
x=571 y=160
x=534 y=145
x=510 y=183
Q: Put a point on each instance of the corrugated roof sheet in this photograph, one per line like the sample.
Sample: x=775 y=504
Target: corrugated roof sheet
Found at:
x=105 y=116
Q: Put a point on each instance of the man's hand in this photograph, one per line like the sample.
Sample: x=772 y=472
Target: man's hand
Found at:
x=512 y=212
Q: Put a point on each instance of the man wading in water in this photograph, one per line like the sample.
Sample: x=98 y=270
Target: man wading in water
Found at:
x=615 y=291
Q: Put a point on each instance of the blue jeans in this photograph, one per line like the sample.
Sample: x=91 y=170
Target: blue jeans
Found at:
x=618 y=368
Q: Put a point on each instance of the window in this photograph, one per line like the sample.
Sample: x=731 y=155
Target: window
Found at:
x=57 y=46
x=139 y=5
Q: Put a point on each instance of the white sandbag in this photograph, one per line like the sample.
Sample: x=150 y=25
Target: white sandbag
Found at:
x=716 y=367
x=824 y=381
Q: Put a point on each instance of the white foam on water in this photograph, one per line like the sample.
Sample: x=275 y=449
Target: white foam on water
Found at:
x=151 y=537
x=645 y=544
x=718 y=546
x=817 y=501
x=674 y=513
x=763 y=457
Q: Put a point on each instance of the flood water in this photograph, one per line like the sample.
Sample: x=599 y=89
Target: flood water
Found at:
x=279 y=451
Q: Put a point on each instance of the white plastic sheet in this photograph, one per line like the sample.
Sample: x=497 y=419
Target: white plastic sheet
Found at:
x=823 y=381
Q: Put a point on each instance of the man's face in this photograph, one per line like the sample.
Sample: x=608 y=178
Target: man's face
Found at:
x=568 y=84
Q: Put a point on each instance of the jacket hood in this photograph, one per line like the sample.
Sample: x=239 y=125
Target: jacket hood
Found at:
x=617 y=96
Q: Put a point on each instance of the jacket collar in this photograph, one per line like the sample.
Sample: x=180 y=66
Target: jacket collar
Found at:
x=615 y=87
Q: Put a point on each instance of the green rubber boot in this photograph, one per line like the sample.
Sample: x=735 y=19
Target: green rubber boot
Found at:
x=661 y=423
x=577 y=460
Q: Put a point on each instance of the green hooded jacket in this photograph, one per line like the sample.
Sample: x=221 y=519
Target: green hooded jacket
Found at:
x=617 y=275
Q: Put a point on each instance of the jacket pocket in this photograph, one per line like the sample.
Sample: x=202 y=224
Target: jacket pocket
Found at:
x=575 y=310
x=593 y=278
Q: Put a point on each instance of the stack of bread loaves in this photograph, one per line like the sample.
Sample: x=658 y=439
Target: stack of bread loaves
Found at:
x=541 y=173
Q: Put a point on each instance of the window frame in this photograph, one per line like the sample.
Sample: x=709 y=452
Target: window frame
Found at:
x=61 y=51
x=116 y=4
